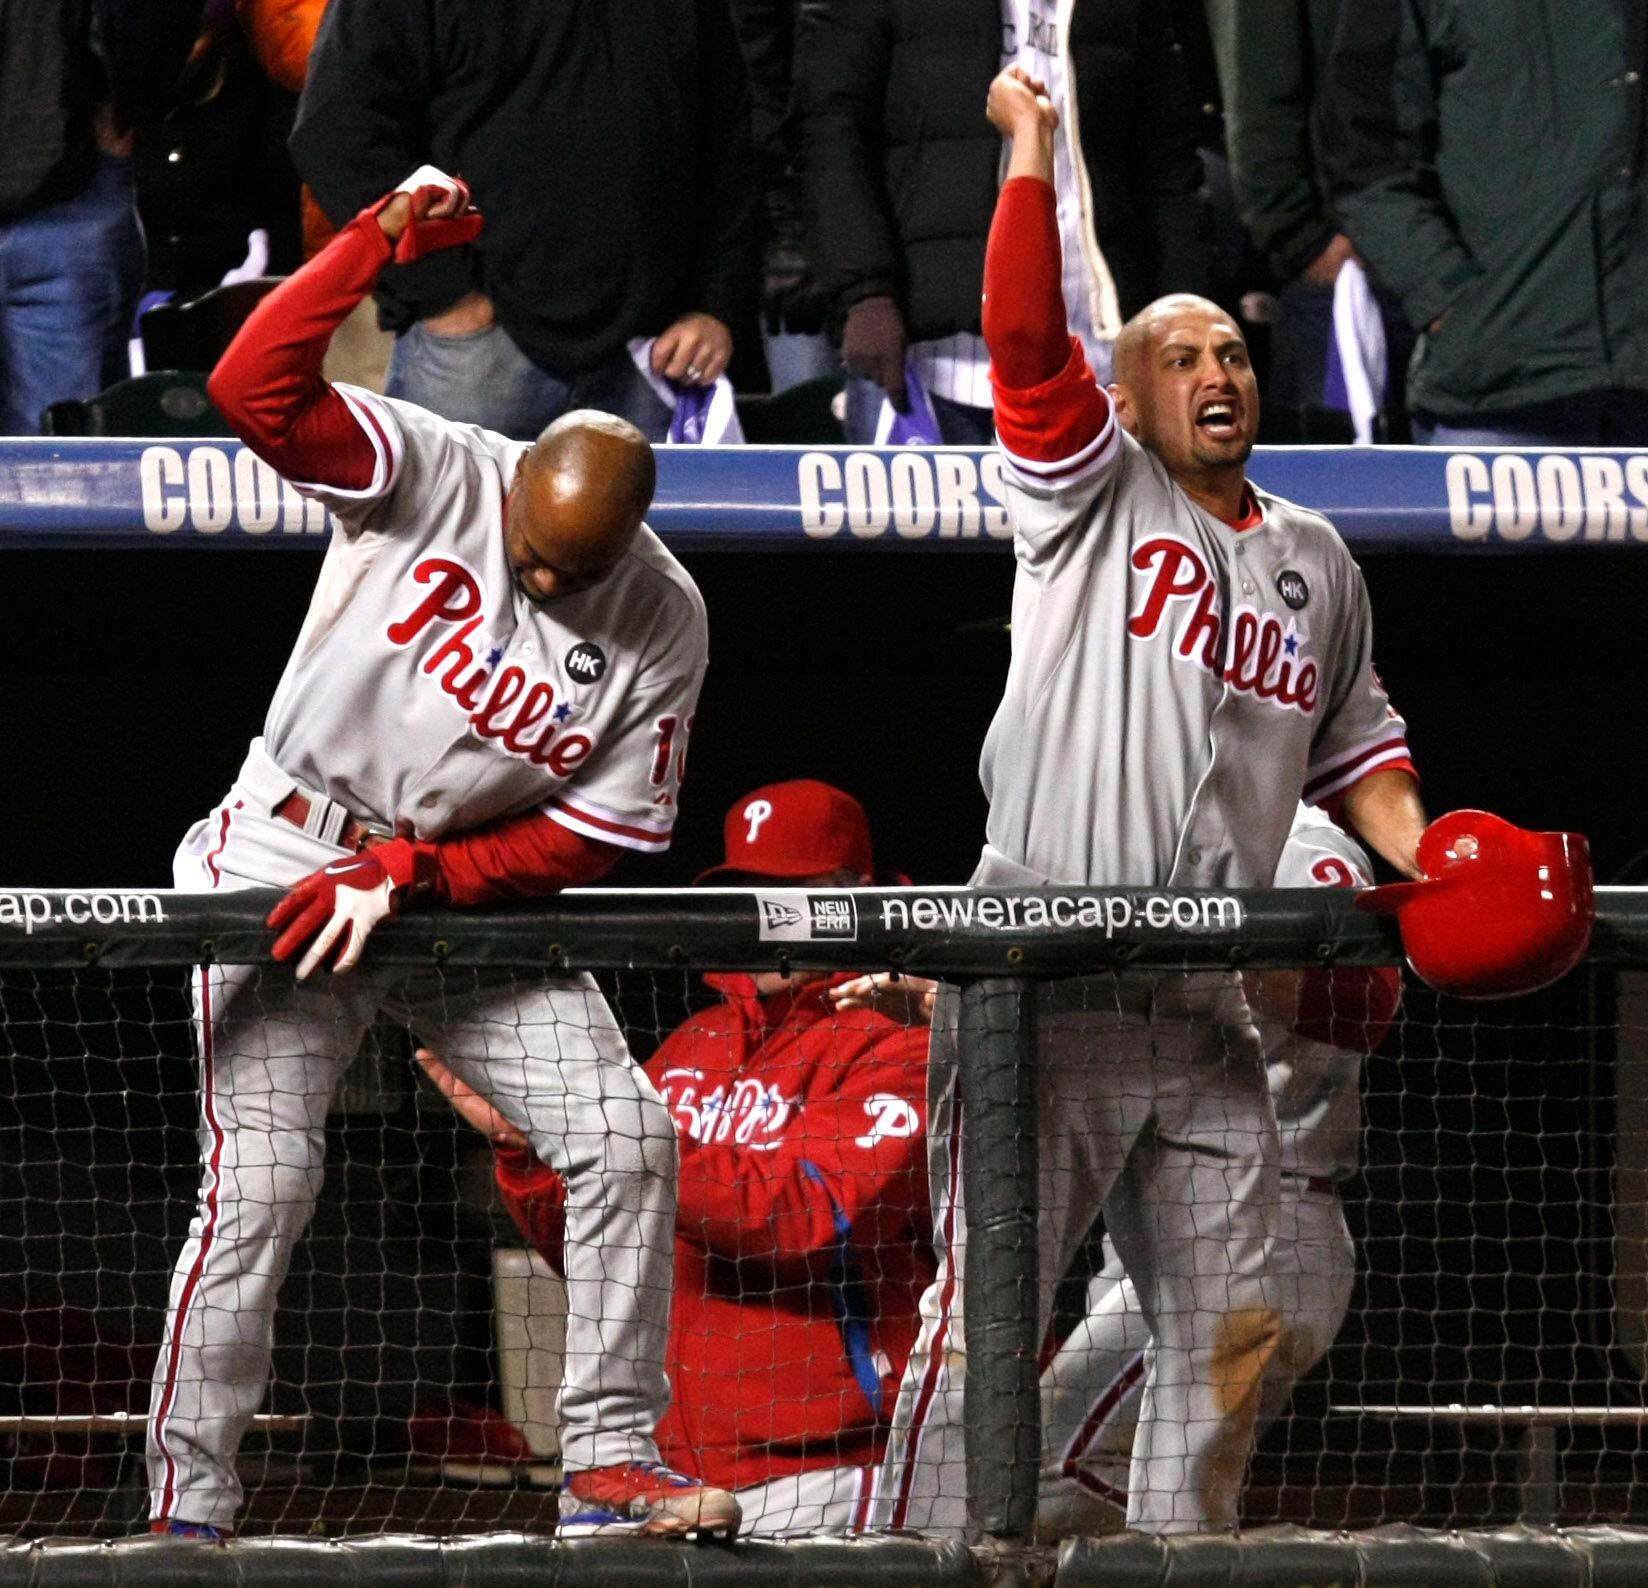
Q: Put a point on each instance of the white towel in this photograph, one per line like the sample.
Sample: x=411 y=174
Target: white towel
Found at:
x=1359 y=336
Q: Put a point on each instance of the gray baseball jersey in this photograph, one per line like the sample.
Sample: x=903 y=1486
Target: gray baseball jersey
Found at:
x=1175 y=683
x=428 y=695
x=1317 y=1089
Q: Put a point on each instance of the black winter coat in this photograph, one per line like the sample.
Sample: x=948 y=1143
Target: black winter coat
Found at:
x=606 y=143
x=901 y=167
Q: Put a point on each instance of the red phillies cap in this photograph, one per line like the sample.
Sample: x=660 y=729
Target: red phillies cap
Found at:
x=799 y=829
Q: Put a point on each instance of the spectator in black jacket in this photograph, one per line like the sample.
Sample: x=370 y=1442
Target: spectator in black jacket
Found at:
x=606 y=143
x=900 y=170
x=1488 y=157
x=792 y=307
x=73 y=75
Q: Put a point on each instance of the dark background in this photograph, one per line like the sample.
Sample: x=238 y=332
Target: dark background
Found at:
x=135 y=678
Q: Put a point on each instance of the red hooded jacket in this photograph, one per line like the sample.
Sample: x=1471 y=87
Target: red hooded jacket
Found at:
x=803 y=1239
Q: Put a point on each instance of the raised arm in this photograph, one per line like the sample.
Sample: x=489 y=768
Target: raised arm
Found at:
x=269 y=385
x=1056 y=427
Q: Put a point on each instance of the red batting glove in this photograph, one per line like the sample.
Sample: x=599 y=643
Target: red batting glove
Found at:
x=345 y=900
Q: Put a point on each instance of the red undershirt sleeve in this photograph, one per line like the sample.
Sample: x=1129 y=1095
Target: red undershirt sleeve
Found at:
x=269 y=386
x=521 y=857
x=1051 y=415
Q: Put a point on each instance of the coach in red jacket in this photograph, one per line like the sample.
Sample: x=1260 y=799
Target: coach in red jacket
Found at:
x=803 y=1240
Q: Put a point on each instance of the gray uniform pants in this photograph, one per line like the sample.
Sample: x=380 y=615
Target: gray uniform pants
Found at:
x=548 y=1054
x=1090 y=1391
x=1152 y=1106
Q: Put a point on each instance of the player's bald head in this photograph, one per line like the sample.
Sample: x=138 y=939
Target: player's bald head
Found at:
x=595 y=472
x=578 y=498
x=1140 y=335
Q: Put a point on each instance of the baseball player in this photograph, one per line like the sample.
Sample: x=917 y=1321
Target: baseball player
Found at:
x=1189 y=653
x=490 y=698
x=1316 y=1025
x=803 y=1240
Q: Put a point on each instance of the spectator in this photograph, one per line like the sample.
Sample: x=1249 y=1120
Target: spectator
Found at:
x=1273 y=59
x=74 y=74
x=802 y=1236
x=637 y=222
x=901 y=171
x=212 y=169
x=1489 y=166
x=282 y=33
x=792 y=307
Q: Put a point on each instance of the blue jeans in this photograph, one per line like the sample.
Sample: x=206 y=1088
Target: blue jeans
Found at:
x=960 y=424
x=794 y=357
x=484 y=379
x=70 y=275
x=1608 y=418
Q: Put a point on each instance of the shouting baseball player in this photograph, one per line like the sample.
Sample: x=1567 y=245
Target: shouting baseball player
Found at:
x=1316 y=1026
x=1189 y=654
x=490 y=698
x=803 y=1241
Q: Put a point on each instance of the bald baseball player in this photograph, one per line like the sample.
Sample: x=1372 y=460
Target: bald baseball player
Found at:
x=1316 y=1026
x=1190 y=654
x=489 y=699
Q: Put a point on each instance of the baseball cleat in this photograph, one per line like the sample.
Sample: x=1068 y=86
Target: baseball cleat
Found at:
x=201 y=1530
x=645 y=1497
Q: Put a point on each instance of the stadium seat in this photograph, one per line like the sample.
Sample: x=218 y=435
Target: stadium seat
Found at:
x=194 y=335
x=799 y=416
x=173 y=403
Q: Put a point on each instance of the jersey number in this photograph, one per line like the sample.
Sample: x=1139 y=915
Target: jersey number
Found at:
x=664 y=732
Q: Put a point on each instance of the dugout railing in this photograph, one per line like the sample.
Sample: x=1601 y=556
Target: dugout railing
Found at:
x=996 y=944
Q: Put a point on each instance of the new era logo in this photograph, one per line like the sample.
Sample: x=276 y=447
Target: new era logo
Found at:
x=834 y=915
x=808 y=917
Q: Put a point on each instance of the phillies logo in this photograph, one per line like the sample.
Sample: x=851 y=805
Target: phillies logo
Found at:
x=891 y=1118
x=755 y=813
x=747 y=1112
x=1260 y=656
x=513 y=708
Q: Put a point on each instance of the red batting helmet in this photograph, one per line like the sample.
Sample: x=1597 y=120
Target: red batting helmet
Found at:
x=1501 y=911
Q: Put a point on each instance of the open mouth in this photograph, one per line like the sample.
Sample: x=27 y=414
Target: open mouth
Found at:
x=1218 y=421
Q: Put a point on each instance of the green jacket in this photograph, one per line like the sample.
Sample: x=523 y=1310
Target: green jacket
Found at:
x=1271 y=55
x=1487 y=159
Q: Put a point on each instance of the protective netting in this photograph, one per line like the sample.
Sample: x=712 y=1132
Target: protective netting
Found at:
x=1486 y=1366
